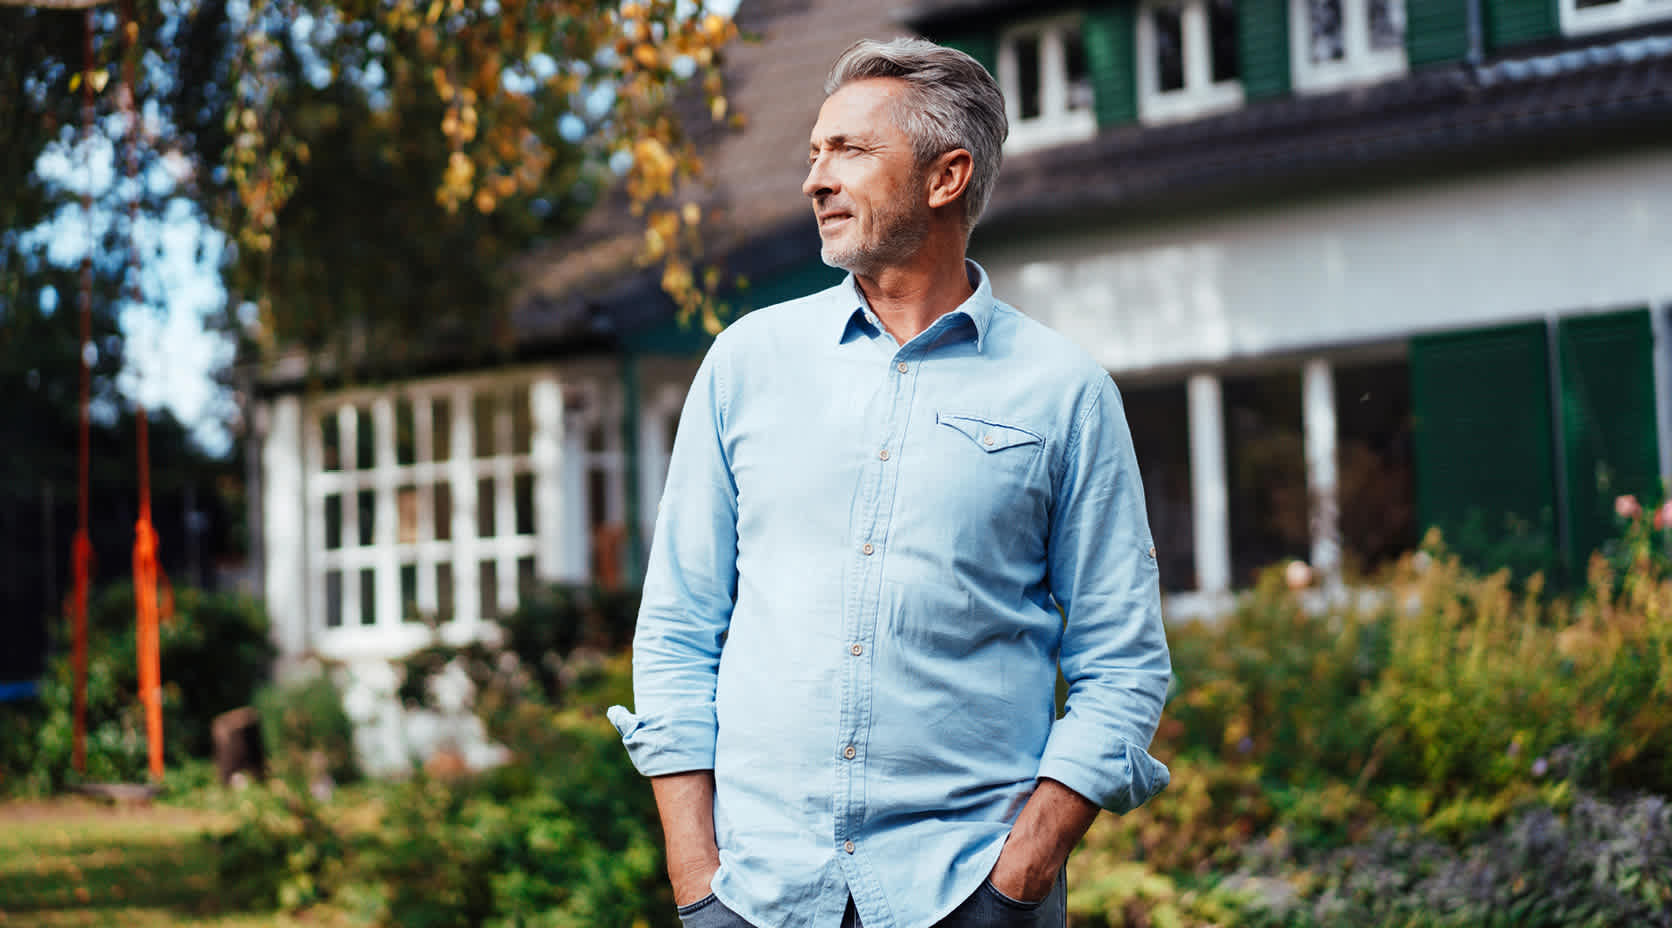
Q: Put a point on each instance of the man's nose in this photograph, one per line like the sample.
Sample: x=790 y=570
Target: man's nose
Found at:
x=819 y=182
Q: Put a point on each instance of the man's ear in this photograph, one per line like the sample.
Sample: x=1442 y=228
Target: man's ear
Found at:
x=949 y=176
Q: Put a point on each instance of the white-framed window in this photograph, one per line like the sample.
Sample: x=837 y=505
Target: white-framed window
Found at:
x=1583 y=16
x=1046 y=81
x=449 y=499
x=1339 y=43
x=1188 y=61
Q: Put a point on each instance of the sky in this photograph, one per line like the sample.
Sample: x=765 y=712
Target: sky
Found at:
x=170 y=349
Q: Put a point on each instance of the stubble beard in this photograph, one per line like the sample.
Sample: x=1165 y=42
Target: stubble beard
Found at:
x=897 y=231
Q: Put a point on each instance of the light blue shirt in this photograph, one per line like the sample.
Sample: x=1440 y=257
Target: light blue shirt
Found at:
x=851 y=609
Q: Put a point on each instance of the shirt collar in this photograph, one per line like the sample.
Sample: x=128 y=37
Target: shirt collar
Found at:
x=978 y=308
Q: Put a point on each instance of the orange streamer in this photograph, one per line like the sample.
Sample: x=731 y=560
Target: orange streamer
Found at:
x=145 y=601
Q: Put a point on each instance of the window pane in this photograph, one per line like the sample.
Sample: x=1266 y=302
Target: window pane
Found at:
x=484 y=508
x=1027 y=76
x=365 y=439
x=522 y=422
x=1387 y=24
x=1265 y=460
x=1375 y=483
x=526 y=581
x=331 y=440
x=406 y=435
x=444 y=592
x=487 y=581
x=333 y=599
x=441 y=428
x=525 y=504
x=368 y=596
x=1326 y=34
x=1169 y=48
x=409 y=593
x=1222 y=33
x=483 y=419
x=1079 y=72
x=333 y=522
x=406 y=512
x=366 y=504
x=443 y=512
x=597 y=497
x=1159 y=418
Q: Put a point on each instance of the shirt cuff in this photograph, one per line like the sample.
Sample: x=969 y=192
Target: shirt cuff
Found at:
x=1110 y=771
x=675 y=742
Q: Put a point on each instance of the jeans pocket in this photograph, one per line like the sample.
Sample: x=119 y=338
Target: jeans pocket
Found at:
x=690 y=909
x=1009 y=903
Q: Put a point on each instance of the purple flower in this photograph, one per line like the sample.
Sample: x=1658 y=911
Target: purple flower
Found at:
x=1540 y=767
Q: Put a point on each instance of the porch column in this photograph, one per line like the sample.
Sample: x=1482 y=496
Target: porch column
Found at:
x=551 y=524
x=1210 y=499
x=1660 y=322
x=284 y=549
x=1324 y=510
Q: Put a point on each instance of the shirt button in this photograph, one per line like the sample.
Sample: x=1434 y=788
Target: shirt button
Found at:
x=857 y=649
x=987 y=439
x=847 y=846
x=867 y=549
x=849 y=752
x=883 y=454
x=1152 y=551
x=902 y=367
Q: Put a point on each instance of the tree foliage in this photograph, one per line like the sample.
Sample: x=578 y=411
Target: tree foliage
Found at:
x=386 y=158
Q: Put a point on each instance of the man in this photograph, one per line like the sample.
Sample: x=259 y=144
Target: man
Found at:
x=880 y=495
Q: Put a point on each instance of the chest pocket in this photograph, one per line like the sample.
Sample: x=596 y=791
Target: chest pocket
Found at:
x=1018 y=444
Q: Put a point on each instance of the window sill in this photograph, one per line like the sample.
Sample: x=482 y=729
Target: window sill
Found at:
x=1045 y=133
x=1185 y=105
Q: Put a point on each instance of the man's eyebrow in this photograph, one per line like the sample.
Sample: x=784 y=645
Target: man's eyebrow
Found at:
x=836 y=140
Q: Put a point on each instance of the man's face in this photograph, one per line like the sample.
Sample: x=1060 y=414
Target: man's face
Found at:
x=867 y=190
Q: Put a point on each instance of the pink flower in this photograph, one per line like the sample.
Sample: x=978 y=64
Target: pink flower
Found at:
x=1627 y=507
x=1298 y=575
x=1663 y=516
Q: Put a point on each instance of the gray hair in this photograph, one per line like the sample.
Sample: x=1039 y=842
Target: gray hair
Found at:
x=953 y=103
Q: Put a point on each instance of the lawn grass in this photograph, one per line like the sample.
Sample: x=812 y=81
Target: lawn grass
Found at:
x=80 y=862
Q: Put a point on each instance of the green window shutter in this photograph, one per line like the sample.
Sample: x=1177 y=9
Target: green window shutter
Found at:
x=982 y=46
x=1436 y=31
x=1263 y=44
x=1485 y=452
x=791 y=283
x=1515 y=22
x=1608 y=421
x=1110 y=34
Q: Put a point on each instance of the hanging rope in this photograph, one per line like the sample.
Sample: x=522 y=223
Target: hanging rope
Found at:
x=146 y=577
x=82 y=549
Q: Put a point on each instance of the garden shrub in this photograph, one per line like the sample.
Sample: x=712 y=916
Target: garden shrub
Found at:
x=215 y=651
x=305 y=729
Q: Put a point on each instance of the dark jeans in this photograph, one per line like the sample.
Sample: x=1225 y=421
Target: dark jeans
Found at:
x=988 y=908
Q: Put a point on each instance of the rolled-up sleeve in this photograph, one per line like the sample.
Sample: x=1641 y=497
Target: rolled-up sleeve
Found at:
x=1102 y=571
x=689 y=589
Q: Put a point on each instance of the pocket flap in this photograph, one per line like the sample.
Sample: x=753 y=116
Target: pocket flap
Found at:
x=989 y=435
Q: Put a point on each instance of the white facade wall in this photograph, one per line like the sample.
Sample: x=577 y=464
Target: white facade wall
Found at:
x=1385 y=264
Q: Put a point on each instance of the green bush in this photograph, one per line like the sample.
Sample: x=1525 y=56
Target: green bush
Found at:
x=215 y=651
x=306 y=730
x=566 y=836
